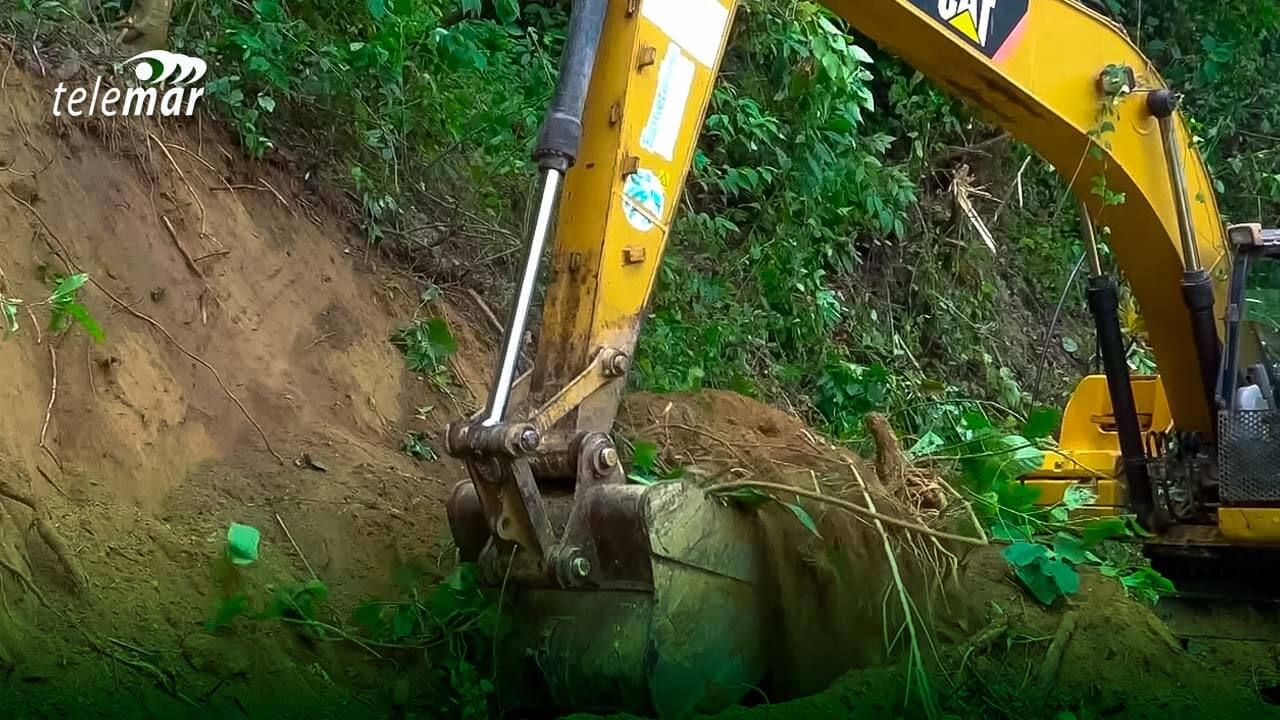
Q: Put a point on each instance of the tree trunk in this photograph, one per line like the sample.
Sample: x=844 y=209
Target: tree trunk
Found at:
x=146 y=26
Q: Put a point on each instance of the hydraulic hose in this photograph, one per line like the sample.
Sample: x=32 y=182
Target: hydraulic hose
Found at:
x=557 y=147
x=1104 y=303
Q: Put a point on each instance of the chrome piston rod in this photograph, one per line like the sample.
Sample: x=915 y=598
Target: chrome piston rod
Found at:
x=504 y=378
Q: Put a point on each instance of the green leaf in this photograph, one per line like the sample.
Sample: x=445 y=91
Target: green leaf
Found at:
x=928 y=443
x=1020 y=554
x=11 y=316
x=747 y=496
x=81 y=315
x=1070 y=345
x=242 y=544
x=472 y=8
x=1017 y=496
x=1104 y=529
x=227 y=611
x=1042 y=423
x=1069 y=547
x=1035 y=579
x=1065 y=577
x=644 y=455
x=377 y=8
x=861 y=55
x=403 y=622
x=1008 y=531
x=369 y=616
x=68 y=286
x=266 y=102
x=804 y=517
x=1078 y=496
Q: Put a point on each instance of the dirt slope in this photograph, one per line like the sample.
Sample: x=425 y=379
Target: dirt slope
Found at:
x=149 y=458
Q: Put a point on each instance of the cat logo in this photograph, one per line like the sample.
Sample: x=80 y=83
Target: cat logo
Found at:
x=990 y=25
x=971 y=17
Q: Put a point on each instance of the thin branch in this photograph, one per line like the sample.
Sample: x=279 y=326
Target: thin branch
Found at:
x=849 y=507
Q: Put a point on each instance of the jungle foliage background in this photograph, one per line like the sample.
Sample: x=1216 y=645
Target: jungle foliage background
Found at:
x=818 y=261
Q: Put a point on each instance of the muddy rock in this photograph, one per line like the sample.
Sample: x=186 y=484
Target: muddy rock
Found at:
x=222 y=657
x=25 y=188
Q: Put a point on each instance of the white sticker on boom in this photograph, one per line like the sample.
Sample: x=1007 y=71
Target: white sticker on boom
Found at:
x=695 y=25
x=643 y=198
x=675 y=79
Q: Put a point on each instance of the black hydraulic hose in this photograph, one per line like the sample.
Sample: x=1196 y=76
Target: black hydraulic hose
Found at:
x=1053 y=325
x=557 y=147
x=1104 y=303
x=1197 y=292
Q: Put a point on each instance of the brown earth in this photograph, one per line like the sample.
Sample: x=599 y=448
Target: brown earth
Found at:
x=147 y=458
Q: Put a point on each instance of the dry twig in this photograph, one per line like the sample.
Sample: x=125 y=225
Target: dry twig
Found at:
x=295 y=547
x=48 y=533
x=849 y=507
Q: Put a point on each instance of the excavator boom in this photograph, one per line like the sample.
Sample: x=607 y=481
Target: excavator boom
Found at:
x=548 y=508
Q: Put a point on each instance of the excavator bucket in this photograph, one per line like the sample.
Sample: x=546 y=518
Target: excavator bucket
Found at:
x=692 y=642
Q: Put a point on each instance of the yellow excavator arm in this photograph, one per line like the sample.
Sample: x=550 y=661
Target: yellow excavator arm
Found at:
x=548 y=507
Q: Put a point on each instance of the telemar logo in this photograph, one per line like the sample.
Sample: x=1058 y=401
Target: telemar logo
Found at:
x=167 y=89
x=990 y=25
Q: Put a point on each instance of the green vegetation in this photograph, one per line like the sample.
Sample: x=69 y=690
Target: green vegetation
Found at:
x=65 y=308
x=451 y=622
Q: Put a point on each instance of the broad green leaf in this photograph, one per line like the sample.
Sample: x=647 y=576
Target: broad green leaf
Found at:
x=1070 y=345
x=1024 y=553
x=227 y=611
x=242 y=543
x=747 y=496
x=1064 y=576
x=369 y=616
x=644 y=455
x=472 y=8
x=1104 y=529
x=68 y=286
x=81 y=314
x=1018 y=496
x=377 y=8
x=804 y=517
x=1008 y=531
x=1042 y=423
x=402 y=623
x=1060 y=514
x=1036 y=580
x=1069 y=547
x=928 y=443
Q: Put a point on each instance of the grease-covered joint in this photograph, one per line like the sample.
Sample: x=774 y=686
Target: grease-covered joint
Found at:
x=570 y=566
x=615 y=362
x=1163 y=103
x=477 y=440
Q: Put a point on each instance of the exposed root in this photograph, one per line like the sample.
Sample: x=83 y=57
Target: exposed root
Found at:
x=48 y=413
x=915 y=659
x=48 y=533
x=919 y=488
x=204 y=219
x=854 y=508
x=1053 y=658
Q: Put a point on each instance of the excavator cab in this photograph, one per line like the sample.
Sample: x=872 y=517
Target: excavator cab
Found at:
x=1249 y=411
